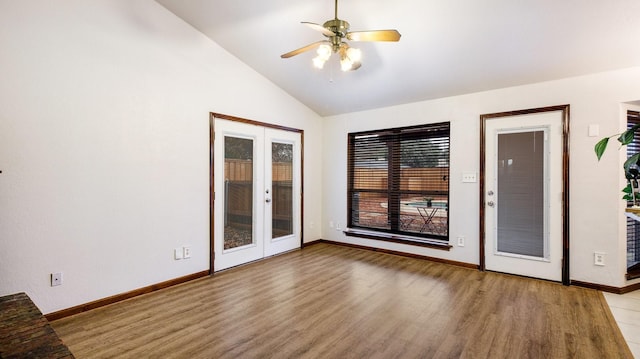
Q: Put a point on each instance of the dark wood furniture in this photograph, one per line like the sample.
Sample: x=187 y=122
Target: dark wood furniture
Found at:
x=25 y=332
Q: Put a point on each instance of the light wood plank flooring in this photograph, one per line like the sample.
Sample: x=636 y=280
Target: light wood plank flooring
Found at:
x=327 y=301
x=626 y=311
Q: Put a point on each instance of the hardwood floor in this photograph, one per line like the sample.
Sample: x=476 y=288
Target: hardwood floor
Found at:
x=327 y=301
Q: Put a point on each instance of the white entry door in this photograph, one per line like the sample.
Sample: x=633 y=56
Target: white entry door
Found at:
x=257 y=192
x=524 y=195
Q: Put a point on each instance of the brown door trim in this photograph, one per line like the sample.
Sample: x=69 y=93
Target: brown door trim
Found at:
x=212 y=117
x=565 y=179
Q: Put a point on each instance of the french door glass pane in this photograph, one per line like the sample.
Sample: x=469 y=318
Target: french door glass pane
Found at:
x=520 y=196
x=238 y=192
x=282 y=186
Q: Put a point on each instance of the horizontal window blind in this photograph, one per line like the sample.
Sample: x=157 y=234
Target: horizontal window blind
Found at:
x=394 y=173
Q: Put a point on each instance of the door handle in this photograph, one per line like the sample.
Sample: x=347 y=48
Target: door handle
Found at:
x=268 y=200
x=491 y=204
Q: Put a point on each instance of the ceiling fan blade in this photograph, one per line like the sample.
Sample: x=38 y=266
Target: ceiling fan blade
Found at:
x=374 y=35
x=303 y=49
x=320 y=28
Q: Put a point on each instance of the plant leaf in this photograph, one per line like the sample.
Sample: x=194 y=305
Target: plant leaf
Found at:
x=628 y=195
x=627 y=137
x=630 y=162
x=601 y=146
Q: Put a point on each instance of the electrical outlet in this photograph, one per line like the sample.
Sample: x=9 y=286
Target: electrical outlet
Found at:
x=186 y=252
x=598 y=258
x=330 y=224
x=56 y=279
x=460 y=241
x=338 y=226
x=178 y=253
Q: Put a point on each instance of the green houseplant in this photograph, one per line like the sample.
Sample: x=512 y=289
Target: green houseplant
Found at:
x=630 y=166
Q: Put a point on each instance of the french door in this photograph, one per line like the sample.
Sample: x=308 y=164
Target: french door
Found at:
x=523 y=194
x=257 y=205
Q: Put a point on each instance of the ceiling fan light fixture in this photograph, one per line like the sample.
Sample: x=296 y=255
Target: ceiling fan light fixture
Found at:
x=346 y=64
x=324 y=52
x=318 y=62
x=354 y=54
x=336 y=31
x=350 y=58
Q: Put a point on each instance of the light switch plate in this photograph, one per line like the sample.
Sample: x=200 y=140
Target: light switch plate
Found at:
x=469 y=177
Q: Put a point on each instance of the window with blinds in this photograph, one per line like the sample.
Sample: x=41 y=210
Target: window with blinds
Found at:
x=633 y=227
x=398 y=181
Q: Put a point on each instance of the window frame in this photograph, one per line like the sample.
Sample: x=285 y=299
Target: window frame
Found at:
x=633 y=226
x=394 y=139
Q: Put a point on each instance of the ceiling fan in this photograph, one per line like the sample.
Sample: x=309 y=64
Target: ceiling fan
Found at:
x=337 y=31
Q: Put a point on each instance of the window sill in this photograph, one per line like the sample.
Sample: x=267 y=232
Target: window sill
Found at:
x=397 y=238
x=633 y=275
x=633 y=272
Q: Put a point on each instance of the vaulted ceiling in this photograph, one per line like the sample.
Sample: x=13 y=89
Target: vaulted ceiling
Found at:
x=448 y=47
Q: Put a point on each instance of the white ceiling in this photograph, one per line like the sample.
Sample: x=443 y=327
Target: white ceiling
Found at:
x=448 y=47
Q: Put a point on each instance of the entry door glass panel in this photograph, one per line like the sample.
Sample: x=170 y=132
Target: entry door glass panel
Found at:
x=238 y=192
x=282 y=186
x=521 y=212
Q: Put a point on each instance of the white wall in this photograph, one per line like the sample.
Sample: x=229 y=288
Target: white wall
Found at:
x=104 y=145
x=596 y=213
